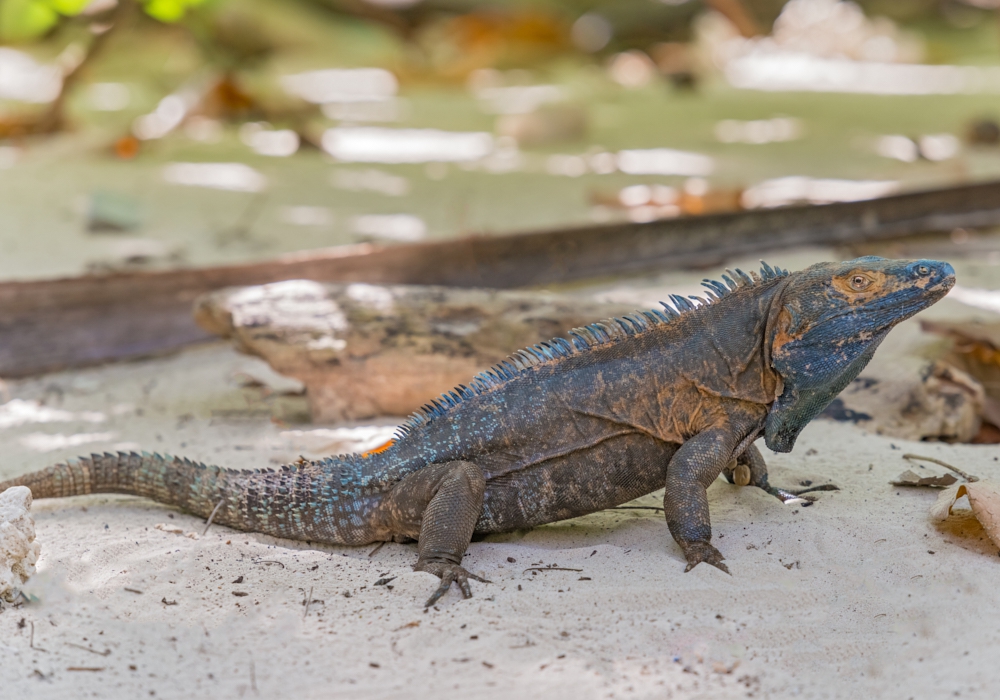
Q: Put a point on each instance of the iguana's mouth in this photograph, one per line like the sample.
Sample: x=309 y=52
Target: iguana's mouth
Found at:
x=945 y=284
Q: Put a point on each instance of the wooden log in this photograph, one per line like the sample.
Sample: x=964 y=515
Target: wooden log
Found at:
x=366 y=350
x=51 y=324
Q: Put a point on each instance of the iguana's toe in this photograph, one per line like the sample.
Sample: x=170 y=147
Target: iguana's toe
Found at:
x=698 y=552
x=790 y=497
x=448 y=573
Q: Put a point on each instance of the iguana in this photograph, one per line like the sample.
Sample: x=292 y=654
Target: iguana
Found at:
x=665 y=398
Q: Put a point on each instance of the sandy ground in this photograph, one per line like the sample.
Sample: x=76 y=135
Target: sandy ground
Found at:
x=858 y=595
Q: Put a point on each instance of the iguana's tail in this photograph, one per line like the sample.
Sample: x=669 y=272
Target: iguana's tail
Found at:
x=281 y=502
x=171 y=480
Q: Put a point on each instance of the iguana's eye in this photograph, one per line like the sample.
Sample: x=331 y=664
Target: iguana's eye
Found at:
x=859 y=282
x=923 y=271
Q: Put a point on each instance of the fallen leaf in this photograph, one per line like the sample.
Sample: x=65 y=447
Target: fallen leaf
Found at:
x=909 y=478
x=984 y=497
x=174 y=530
x=942 y=506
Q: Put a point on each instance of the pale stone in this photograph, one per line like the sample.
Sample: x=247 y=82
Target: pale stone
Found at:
x=18 y=549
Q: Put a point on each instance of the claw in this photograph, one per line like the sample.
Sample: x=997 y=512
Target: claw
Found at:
x=449 y=574
x=821 y=487
x=786 y=497
x=797 y=496
x=698 y=552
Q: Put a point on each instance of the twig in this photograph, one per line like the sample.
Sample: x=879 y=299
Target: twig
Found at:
x=967 y=477
x=379 y=546
x=269 y=561
x=31 y=641
x=106 y=652
x=212 y=517
x=636 y=508
x=548 y=568
x=253 y=676
x=85 y=668
x=309 y=601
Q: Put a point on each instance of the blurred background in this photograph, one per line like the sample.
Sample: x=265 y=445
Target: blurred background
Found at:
x=152 y=134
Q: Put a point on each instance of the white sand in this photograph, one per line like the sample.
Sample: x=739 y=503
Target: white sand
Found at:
x=859 y=595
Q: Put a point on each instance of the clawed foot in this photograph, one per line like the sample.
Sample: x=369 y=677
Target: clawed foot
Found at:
x=698 y=552
x=448 y=573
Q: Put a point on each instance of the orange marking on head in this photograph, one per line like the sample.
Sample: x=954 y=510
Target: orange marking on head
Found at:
x=878 y=284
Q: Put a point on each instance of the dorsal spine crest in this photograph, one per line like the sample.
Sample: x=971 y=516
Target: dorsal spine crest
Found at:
x=584 y=339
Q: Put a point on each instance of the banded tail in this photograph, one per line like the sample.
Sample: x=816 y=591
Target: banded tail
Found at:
x=300 y=502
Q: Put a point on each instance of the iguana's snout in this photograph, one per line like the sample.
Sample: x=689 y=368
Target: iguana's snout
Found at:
x=880 y=293
x=939 y=276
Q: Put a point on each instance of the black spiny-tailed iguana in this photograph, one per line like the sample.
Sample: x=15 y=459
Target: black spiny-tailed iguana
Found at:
x=665 y=398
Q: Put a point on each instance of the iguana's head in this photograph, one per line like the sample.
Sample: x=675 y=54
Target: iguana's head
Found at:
x=828 y=320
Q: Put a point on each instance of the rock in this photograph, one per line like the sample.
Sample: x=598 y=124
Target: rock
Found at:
x=940 y=402
x=18 y=549
x=976 y=351
x=363 y=350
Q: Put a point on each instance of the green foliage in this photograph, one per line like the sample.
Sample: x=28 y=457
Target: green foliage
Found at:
x=170 y=10
x=23 y=20
x=26 y=19
x=68 y=8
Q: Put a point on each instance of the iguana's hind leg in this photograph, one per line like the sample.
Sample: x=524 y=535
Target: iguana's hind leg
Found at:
x=751 y=469
x=692 y=469
x=439 y=505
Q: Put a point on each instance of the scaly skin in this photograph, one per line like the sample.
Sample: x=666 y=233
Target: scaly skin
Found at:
x=658 y=399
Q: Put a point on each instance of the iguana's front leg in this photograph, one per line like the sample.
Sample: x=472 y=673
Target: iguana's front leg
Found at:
x=692 y=469
x=439 y=505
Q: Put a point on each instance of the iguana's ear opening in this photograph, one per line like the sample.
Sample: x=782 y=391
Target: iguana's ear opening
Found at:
x=780 y=432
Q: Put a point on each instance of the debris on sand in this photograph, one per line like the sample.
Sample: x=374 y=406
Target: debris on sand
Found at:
x=18 y=549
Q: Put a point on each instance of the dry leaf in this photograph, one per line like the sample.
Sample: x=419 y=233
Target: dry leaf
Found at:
x=174 y=530
x=984 y=497
x=909 y=478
